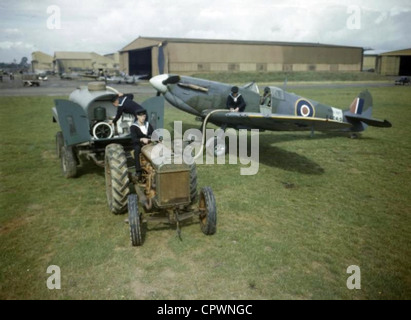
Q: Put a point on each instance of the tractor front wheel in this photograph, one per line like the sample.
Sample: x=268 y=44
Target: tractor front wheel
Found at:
x=117 y=181
x=208 y=211
x=134 y=219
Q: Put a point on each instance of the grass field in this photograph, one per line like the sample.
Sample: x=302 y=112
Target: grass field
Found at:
x=279 y=77
x=317 y=206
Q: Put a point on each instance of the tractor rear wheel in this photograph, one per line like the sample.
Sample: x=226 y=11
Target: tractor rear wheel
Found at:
x=117 y=181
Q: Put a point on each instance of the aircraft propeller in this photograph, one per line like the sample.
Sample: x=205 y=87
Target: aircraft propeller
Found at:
x=161 y=60
x=161 y=81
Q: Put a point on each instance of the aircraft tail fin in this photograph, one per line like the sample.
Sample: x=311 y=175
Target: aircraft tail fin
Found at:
x=360 y=113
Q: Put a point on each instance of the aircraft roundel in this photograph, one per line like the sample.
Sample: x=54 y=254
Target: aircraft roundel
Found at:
x=304 y=108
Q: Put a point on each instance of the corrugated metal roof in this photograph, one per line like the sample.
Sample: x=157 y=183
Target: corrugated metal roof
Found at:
x=100 y=58
x=41 y=56
x=374 y=52
x=404 y=52
x=72 y=55
x=245 y=42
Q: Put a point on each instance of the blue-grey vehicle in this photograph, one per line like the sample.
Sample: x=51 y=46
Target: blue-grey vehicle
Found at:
x=86 y=129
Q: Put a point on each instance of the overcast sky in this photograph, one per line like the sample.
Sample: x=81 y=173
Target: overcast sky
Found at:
x=106 y=26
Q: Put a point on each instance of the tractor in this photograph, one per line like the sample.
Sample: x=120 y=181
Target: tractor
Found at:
x=166 y=193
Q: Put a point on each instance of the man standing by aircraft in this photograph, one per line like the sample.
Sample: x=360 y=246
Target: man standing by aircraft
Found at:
x=235 y=101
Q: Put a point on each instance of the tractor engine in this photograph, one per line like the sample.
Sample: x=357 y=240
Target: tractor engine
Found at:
x=166 y=184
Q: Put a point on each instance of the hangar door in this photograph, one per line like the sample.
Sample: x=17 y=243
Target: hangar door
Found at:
x=140 y=62
x=405 y=65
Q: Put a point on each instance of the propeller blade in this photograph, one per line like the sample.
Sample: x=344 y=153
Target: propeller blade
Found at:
x=171 y=80
x=161 y=60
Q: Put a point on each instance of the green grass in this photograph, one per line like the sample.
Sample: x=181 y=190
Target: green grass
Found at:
x=269 y=77
x=316 y=206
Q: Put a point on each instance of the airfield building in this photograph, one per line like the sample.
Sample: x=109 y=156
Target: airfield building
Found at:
x=391 y=63
x=41 y=62
x=82 y=61
x=153 y=56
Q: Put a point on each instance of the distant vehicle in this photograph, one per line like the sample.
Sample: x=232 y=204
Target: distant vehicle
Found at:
x=122 y=79
x=70 y=76
x=42 y=75
x=30 y=80
x=402 y=81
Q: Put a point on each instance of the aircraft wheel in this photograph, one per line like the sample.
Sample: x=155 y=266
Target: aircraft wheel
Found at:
x=68 y=162
x=102 y=130
x=216 y=147
x=208 y=211
x=354 y=135
x=117 y=181
x=134 y=219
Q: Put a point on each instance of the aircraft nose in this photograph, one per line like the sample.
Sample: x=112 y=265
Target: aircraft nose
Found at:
x=157 y=82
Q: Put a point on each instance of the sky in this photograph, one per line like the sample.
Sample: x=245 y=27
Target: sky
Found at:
x=107 y=26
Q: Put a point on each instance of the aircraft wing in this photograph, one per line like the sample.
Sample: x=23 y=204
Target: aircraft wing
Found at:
x=275 y=122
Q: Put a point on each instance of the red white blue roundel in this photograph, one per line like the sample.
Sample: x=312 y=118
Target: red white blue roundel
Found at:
x=304 y=108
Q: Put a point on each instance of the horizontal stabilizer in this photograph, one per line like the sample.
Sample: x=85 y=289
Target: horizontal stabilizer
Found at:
x=369 y=121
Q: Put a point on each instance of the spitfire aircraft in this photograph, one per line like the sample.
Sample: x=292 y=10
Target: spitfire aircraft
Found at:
x=285 y=111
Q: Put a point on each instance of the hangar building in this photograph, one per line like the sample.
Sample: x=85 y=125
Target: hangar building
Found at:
x=41 y=62
x=66 y=61
x=392 y=63
x=153 y=56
